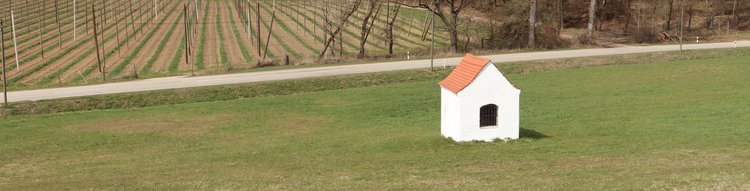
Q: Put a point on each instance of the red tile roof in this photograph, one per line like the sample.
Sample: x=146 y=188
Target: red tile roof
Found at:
x=464 y=73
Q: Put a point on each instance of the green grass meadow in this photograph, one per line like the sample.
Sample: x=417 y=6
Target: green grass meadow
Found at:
x=674 y=125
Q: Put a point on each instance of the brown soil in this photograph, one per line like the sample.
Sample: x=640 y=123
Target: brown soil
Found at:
x=27 y=65
x=285 y=36
x=346 y=36
x=211 y=50
x=273 y=46
x=113 y=60
x=300 y=30
x=231 y=45
x=163 y=60
x=53 y=67
x=150 y=48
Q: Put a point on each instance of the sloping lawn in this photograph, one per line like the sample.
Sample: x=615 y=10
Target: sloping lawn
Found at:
x=671 y=125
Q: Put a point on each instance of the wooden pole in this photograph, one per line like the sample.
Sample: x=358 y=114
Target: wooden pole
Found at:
x=15 y=42
x=101 y=20
x=57 y=20
x=682 y=12
x=96 y=42
x=249 y=25
x=26 y=12
x=187 y=32
x=40 y=24
x=270 y=30
x=127 y=34
x=117 y=29
x=74 y=19
x=140 y=17
x=5 y=82
x=104 y=10
x=85 y=4
x=132 y=21
x=187 y=59
x=432 y=44
x=257 y=4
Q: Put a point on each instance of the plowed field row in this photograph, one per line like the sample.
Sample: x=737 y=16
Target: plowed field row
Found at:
x=133 y=41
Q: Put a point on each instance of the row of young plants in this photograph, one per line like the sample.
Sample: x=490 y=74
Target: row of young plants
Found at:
x=311 y=9
x=279 y=40
x=440 y=38
x=175 y=62
x=91 y=50
x=51 y=32
x=262 y=43
x=379 y=19
x=159 y=48
x=45 y=63
x=223 y=58
x=88 y=52
x=414 y=24
x=199 y=58
x=142 y=42
x=359 y=16
x=308 y=31
x=293 y=33
x=245 y=52
x=21 y=41
x=344 y=29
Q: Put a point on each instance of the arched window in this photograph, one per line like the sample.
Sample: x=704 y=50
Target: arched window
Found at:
x=488 y=115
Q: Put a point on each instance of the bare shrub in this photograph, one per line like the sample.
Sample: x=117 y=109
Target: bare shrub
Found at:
x=645 y=35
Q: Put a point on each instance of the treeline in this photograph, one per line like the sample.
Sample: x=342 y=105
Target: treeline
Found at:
x=540 y=23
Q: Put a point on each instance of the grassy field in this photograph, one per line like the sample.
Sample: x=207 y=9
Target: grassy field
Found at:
x=666 y=125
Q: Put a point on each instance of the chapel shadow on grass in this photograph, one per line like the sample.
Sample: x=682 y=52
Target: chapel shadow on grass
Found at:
x=531 y=134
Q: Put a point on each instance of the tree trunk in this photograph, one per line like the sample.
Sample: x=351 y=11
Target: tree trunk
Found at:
x=668 y=25
x=335 y=32
x=690 y=17
x=592 y=18
x=389 y=29
x=627 y=20
x=711 y=13
x=561 y=18
x=735 y=19
x=532 y=24
x=366 y=27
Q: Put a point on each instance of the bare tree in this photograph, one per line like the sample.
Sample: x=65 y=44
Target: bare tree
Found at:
x=448 y=12
x=735 y=17
x=335 y=28
x=532 y=24
x=690 y=11
x=629 y=12
x=592 y=18
x=668 y=25
x=373 y=9
x=390 y=21
x=711 y=13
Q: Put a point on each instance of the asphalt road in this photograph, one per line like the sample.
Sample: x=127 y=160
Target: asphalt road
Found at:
x=187 y=82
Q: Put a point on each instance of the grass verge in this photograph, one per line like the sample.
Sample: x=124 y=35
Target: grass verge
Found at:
x=214 y=93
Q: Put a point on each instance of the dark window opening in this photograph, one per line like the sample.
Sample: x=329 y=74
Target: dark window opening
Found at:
x=488 y=115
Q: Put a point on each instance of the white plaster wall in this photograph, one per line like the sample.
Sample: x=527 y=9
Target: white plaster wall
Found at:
x=489 y=87
x=449 y=116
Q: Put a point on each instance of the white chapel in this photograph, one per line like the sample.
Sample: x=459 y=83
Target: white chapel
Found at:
x=478 y=103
